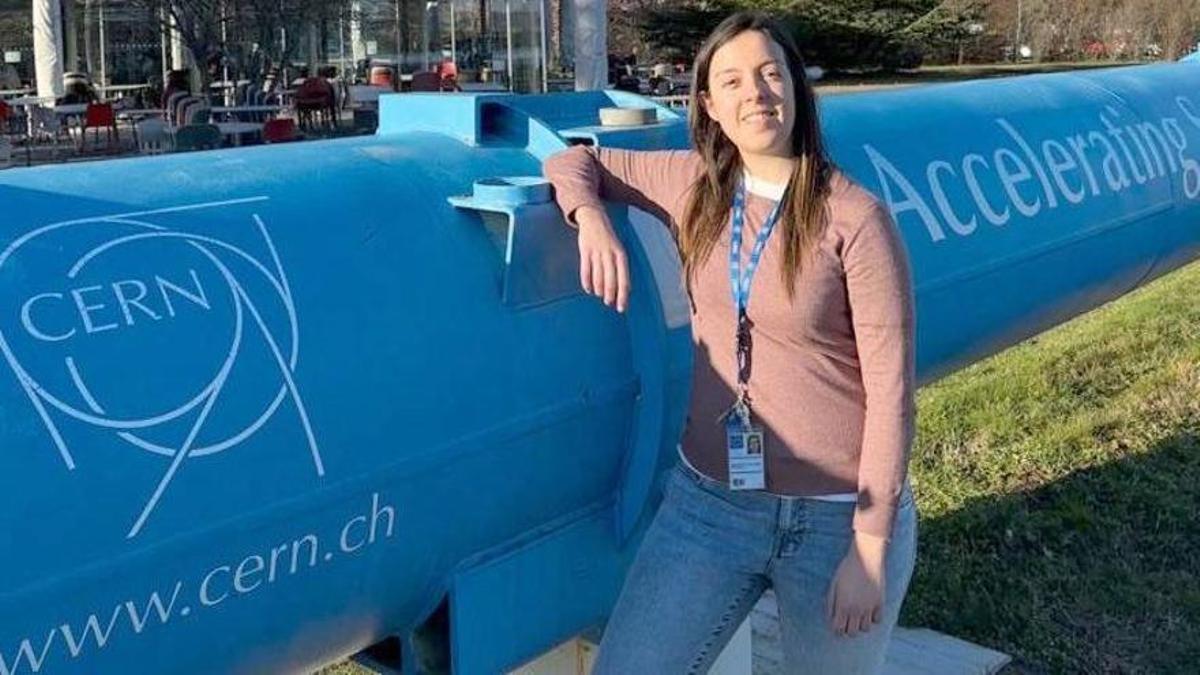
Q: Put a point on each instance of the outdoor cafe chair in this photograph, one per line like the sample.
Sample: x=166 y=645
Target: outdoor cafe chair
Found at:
x=198 y=113
x=153 y=136
x=426 y=81
x=316 y=104
x=254 y=97
x=179 y=112
x=197 y=137
x=183 y=108
x=11 y=122
x=239 y=91
x=100 y=116
x=448 y=72
x=279 y=130
x=172 y=103
x=46 y=124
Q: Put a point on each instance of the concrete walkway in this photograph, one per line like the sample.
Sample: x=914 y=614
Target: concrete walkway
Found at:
x=912 y=651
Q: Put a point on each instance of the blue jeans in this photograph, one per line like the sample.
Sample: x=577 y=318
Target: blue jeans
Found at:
x=711 y=552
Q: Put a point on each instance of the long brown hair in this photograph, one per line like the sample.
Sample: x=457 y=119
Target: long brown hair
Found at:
x=803 y=213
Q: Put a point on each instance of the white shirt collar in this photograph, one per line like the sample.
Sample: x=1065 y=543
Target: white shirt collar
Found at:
x=763 y=188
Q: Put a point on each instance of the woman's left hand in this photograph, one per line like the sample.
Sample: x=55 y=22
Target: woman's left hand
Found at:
x=855 y=600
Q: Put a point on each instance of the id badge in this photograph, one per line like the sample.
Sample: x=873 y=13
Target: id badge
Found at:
x=744 y=448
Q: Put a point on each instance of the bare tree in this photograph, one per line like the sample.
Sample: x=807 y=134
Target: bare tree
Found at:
x=245 y=35
x=1113 y=29
x=197 y=23
x=1179 y=27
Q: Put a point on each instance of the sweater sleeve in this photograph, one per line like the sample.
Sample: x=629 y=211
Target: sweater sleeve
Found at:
x=879 y=287
x=654 y=181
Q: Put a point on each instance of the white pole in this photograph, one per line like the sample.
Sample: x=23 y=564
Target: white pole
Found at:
x=508 y=39
x=426 y=29
x=542 y=19
x=48 y=48
x=358 y=49
x=1017 y=38
x=399 y=65
x=88 y=47
x=341 y=47
x=103 y=62
x=229 y=90
x=453 y=43
x=178 y=49
x=591 y=45
x=163 y=38
x=284 y=67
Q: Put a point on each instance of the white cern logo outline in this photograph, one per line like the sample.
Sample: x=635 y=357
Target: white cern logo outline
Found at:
x=249 y=321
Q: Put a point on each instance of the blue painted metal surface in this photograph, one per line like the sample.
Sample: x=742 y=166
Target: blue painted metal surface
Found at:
x=264 y=407
x=1027 y=201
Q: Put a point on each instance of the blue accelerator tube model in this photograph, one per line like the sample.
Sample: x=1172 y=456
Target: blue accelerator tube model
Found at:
x=262 y=408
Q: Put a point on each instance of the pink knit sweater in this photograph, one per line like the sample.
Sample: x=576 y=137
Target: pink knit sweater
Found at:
x=832 y=377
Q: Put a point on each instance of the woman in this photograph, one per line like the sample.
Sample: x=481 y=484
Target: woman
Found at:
x=812 y=363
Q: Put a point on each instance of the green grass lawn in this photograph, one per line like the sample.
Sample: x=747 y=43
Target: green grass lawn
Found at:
x=1059 y=490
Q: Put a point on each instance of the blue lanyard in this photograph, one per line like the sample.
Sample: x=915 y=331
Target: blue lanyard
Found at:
x=739 y=283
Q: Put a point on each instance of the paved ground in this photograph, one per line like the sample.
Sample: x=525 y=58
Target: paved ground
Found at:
x=911 y=652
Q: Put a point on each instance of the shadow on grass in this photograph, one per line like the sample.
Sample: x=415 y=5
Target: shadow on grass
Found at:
x=1096 y=572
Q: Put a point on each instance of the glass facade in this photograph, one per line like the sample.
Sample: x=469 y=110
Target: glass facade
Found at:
x=16 y=43
x=480 y=36
x=494 y=43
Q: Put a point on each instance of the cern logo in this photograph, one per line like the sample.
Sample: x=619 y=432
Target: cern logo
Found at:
x=178 y=343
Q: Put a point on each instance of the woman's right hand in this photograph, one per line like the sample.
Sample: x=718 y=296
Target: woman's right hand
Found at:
x=603 y=267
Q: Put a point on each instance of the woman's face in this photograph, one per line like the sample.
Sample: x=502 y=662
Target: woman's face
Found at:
x=751 y=95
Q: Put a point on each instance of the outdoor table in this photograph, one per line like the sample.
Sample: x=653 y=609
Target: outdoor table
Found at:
x=236 y=129
x=225 y=89
x=366 y=94
x=66 y=110
x=482 y=86
x=72 y=112
x=135 y=115
x=122 y=88
x=70 y=109
x=138 y=113
x=30 y=100
x=233 y=110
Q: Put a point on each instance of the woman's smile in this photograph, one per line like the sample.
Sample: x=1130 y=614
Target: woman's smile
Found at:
x=762 y=120
x=760 y=116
